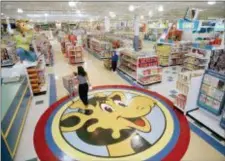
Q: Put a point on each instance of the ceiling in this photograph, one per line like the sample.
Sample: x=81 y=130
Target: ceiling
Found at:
x=90 y=10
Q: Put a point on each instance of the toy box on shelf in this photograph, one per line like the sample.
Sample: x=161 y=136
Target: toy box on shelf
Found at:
x=211 y=101
x=188 y=84
x=75 y=55
x=8 y=55
x=141 y=66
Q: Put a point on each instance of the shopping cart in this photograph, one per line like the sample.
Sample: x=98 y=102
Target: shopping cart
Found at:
x=70 y=83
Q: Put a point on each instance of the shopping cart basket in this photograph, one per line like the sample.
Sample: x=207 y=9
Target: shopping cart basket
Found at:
x=70 y=83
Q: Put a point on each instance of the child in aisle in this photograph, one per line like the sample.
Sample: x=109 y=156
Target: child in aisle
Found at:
x=114 y=60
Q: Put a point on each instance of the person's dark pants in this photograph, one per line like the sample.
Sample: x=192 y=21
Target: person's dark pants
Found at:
x=114 y=65
x=83 y=93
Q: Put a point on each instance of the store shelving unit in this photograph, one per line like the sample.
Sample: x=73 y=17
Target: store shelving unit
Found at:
x=107 y=62
x=99 y=47
x=195 y=61
x=210 y=101
x=188 y=84
x=172 y=54
x=75 y=55
x=140 y=66
x=37 y=77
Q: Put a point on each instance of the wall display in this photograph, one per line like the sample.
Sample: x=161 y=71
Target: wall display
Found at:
x=212 y=92
x=206 y=36
x=217 y=61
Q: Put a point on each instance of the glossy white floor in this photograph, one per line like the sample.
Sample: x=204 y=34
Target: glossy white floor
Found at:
x=198 y=150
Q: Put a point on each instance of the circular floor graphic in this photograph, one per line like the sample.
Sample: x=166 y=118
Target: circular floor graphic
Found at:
x=121 y=123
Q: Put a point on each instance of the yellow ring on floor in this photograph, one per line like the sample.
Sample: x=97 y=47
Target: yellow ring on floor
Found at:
x=73 y=153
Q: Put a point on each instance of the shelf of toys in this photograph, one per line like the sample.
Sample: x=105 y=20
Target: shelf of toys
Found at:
x=41 y=44
x=36 y=71
x=172 y=54
x=37 y=77
x=196 y=59
x=209 y=35
x=170 y=47
x=211 y=101
x=188 y=84
x=140 y=66
x=75 y=55
x=99 y=47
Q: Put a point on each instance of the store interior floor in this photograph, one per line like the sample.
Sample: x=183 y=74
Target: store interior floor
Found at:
x=198 y=149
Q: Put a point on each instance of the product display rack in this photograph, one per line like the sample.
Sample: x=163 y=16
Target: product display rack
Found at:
x=208 y=35
x=107 y=62
x=37 y=77
x=99 y=48
x=212 y=93
x=140 y=66
x=211 y=102
x=75 y=55
x=172 y=54
x=194 y=61
x=188 y=84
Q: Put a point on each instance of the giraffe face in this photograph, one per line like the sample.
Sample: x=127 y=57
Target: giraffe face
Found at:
x=110 y=118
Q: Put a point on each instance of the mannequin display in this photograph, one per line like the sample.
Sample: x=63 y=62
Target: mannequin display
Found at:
x=23 y=42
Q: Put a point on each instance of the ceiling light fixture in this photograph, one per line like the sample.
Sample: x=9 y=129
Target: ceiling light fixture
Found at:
x=131 y=8
x=112 y=14
x=142 y=17
x=46 y=14
x=150 y=13
x=211 y=2
x=160 y=9
x=2 y=14
x=72 y=3
x=19 y=10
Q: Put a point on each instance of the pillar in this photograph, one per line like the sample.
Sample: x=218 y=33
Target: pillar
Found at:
x=107 y=24
x=136 y=33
